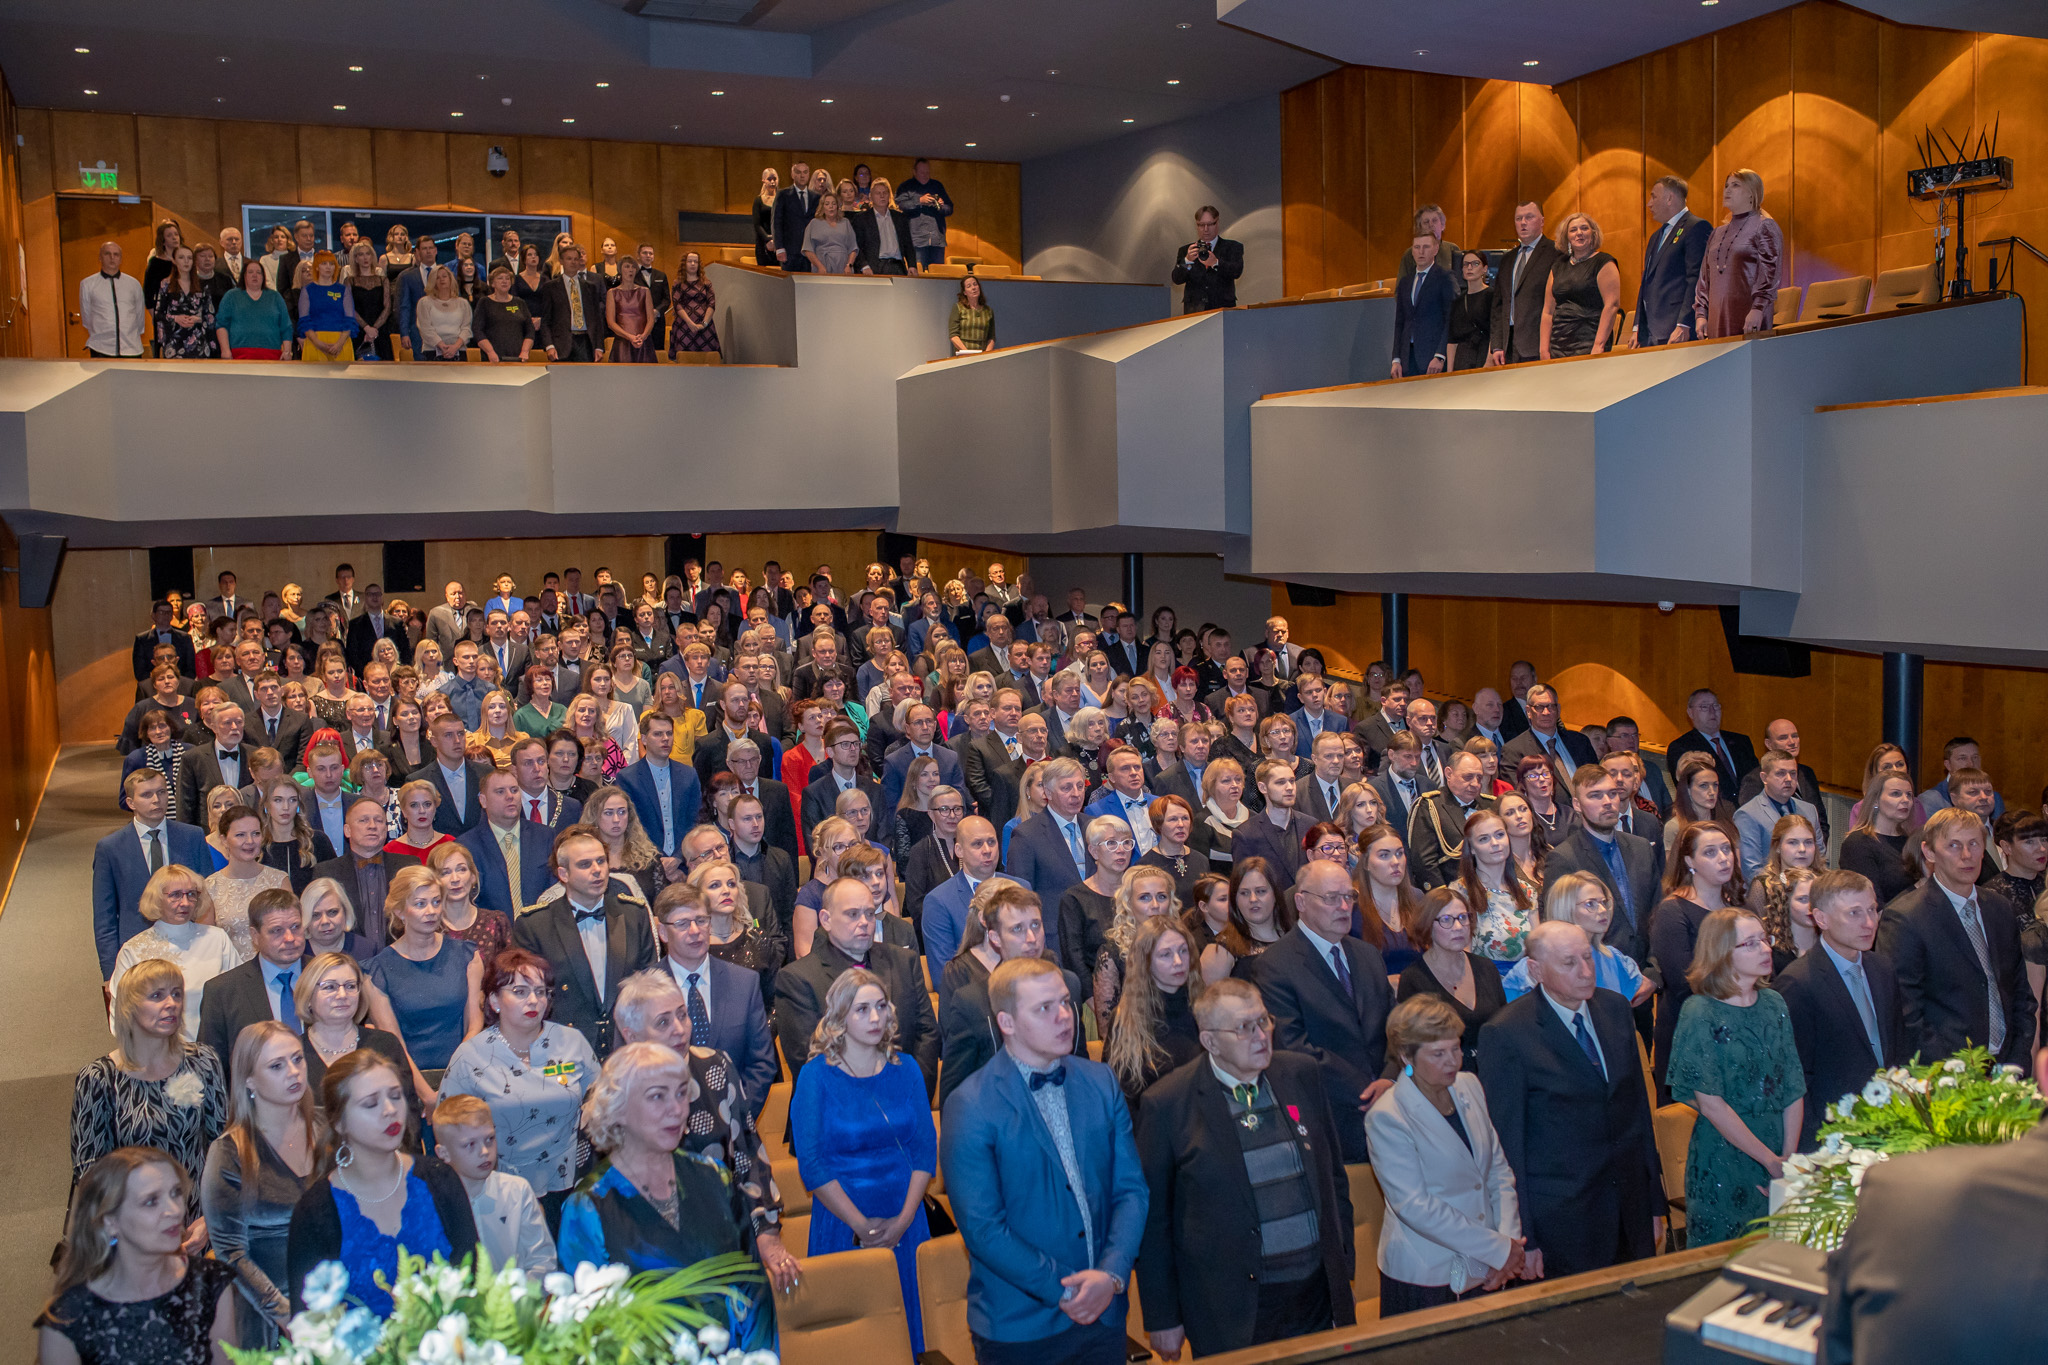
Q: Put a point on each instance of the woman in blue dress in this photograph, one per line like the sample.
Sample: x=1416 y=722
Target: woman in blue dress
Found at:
x=865 y=1144
x=430 y=984
x=652 y=1204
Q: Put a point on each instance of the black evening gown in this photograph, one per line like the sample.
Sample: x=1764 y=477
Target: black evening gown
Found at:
x=1577 y=317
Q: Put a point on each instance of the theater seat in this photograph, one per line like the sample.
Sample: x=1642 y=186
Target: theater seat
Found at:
x=774 y=1120
x=1907 y=288
x=1324 y=294
x=1352 y=291
x=796 y=1233
x=846 y=1307
x=1836 y=299
x=795 y=1198
x=1786 y=308
x=942 y=1299
x=951 y=270
x=1673 y=1124
x=1368 y=1213
x=993 y=270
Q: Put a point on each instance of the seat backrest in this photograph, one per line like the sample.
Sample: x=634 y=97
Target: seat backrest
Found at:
x=1354 y=290
x=1836 y=299
x=1786 y=307
x=1368 y=1213
x=1649 y=1084
x=951 y=270
x=774 y=1117
x=1673 y=1124
x=1913 y=285
x=847 y=1306
x=796 y=1232
x=1323 y=294
x=994 y=270
x=795 y=1198
x=942 y=1297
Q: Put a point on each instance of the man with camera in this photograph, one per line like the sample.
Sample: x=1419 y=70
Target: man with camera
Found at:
x=1208 y=267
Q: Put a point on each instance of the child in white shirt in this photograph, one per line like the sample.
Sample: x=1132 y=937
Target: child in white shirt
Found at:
x=509 y=1225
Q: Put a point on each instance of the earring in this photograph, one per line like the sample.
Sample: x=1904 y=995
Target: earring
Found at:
x=113 y=1240
x=344 y=1155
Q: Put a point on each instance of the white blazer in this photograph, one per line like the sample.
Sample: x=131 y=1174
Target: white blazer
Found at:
x=1450 y=1212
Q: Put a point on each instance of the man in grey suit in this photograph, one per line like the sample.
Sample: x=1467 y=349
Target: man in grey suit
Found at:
x=448 y=623
x=1567 y=750
x=723 y=1000
x=1522 y=280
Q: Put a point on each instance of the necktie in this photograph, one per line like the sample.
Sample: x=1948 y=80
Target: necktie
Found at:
x=270 y=724
x=508 y=845
x=286 y=1011
x=1432 y=766
x=1610 y=851
x=1859 y=991
x=1585 y=1037
x=1515 y=279
x=534 y=811
x=1343 y=971
x=156 y=850
x=1010 y=745
x=1056 y=1076
x=585 y=916
x=1407 y=791
x=1974 y=926
x=700 y=1017
x=1727 y=759
x=1330 y=797
x=1074 y=846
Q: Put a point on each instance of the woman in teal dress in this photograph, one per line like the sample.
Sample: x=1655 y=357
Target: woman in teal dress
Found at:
x=862 y=1129
x=1733 y=1060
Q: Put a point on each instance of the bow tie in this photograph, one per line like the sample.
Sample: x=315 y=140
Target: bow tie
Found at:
x=230 y=756
x=583 y=916
x=1041 y=1079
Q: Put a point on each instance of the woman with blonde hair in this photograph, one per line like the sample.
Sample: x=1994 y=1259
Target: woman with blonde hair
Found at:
x=861 y=1125
x=1885 y=825
x=585 y=713
x=332 y=1000
x=1582 y=302
x=155 y=1088
x=329 y=919
x=432 y=981
x=454 y=867
x=1738 y=288
x=491 y=742
x=370 y=291
x=1772 y=897
x=1154 y=1019
x=179 y=910
x=1581 y=898
x=764 y=216
x=1733 y=1059
x=1222 y=809
x=1141 y=893
x=831 y=839
x=246 y=874
x=257 y=1170
x=129 y=1286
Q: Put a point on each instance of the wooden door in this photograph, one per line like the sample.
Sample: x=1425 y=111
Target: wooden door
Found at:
x=84 y=222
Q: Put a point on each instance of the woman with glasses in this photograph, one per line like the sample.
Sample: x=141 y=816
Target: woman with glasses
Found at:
x=1087 y=909
x=1581 y=898
x=1442 y=927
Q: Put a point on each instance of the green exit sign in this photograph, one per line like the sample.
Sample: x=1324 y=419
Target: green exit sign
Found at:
x=99 y=176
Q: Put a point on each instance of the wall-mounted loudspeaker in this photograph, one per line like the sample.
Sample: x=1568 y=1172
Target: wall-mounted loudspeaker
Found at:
x=405 y=566
x=170 y=571
x=1301 y=595
x=680 y=550
x=41 y=557
x=1760 y=655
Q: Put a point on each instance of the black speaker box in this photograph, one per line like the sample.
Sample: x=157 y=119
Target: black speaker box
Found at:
x=41 y=557
x=678 y=550
x=1300 y=595
x=1760 y=655
x=170 y=570
x=405 y=566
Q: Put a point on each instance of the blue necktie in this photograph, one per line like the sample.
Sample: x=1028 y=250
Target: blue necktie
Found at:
x=287 y=1012
x=700 y=1017
x=1610 y=849
x=1585 y=1038
x=1343 y=971
x=1074 y=846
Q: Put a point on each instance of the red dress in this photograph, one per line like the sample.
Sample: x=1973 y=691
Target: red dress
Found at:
x=1741 y=273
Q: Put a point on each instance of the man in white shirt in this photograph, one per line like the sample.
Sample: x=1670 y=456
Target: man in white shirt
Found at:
x=111 y=309
x=1124 y=796
x=593 y=937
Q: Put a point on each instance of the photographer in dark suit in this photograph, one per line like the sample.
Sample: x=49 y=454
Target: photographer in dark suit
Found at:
x=1208 y=267
x=1422 y=311
x=1522 y=279
x=1671 y=267
x=1843 y=998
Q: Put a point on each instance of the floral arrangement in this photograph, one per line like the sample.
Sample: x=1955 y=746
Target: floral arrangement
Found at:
x=1964 y=1101
x=444 y=1314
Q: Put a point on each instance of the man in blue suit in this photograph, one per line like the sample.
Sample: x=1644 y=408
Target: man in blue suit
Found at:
x=919 y=727
x=1422 y=312
x=1311 y=719
x=666 y=794
x=1671 y=266
x=448 y=769
x=417 y=283
x=946 y=907
x=123 y=862
x=1047 y=1188
x=502 y=824
x=1123 y=795
x=1049 y=852
x=722 y=1001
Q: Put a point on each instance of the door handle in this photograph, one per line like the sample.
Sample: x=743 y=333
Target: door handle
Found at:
x=75 y=318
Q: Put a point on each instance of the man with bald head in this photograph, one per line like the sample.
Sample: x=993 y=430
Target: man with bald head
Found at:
x=1327 y=991
x=848 y=936
x=977 y=856
x=1489 y=714
x=1783 y=735
x=1564 y=1085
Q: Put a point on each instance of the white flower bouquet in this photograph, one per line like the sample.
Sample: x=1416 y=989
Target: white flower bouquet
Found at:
x=1963 y=1101
x=444 y=1314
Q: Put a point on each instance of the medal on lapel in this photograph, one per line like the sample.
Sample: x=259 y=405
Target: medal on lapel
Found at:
x=1294 y=1112
x=563 y=1072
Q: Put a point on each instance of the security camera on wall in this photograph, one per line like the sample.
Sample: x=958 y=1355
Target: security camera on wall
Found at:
x=496 y=161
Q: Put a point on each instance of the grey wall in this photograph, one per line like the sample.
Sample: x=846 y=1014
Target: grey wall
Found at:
x=1117 y=210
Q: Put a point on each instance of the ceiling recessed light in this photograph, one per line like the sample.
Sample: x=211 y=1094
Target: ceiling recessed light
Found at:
x=876 y=138
x=1710 y=2
x=341 y=106
x=776 y=133
x=568 y=120
x=1052 y=71
x=92 y=92
x=355 y=68
x=81 y=49
x=1173 y=82
x=224 y=59
x=974 y=144
x=715 y=92
x=1130 y=120
x=1422 y=52
x=454 y=113
x=931 y=106
x=1183 y=25
x=220 y=99
x=1530 y=62
x=604 y=85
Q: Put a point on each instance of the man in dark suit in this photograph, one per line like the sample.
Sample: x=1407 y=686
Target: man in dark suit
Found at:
x=932 y=861
x=1436 y=824
x=223 y=762
x=1625 y=864
x=1567 y=750
x=1327 y=992
x=260 y=988
x=373 y=625
x=506 y=882
x=413 y=285
x=759 y=861
x=1422 y=312
x=920 y=727
x=994 y=763
x=161 y=632
x=1734 y=755
x=778 y=815
x=1521 y=281
x=1236 y=683
x=809 y=678
x=668 y=796
x=1049 y=851
x=658 y=292
x=1937 y=1236
x=994 y=657
x=346 y=599
x=1119 y=644
x=821 y=797
x=1955 y=946
x=365 y=867
x=572 y=325
x=722 y=1001
x=969 y=1037
x=1377 y=730
x=1183 y=778
x=498 y=645
x=1671 y=266
x=1321 y=787
x=846 y=938
x=305 y=246
x=1399 y=785
x=1311 y=718
x=459 y=781
x=594 y=938
x=1189 y=1140
x=795 y=205
x=273 y=724
x=124 y=861
x=1207 y=269
x=1842 y=997
x=538 y=801
x=882 y=235
x=1564 y=1084
x=1275 y=833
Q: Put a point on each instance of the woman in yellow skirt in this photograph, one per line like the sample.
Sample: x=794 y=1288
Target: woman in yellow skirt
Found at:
x=328 y=325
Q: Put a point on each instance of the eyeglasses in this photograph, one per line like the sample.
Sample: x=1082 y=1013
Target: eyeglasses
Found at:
x=1753 y=941
x=1114 y=845
x=1331 y=897
x=525 y=992
x=949 y=810
x=1457 y=919
x=1331 y=849
x=1250 y=1028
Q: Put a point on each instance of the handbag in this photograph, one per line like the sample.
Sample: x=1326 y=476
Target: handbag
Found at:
x=938 y=1221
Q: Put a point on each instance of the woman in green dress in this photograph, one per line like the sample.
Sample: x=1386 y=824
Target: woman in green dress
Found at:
x=542 y=715
x=1733 y=1060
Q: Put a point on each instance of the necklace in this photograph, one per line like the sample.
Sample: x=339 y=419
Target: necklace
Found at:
x=328 y=1054
x=388 y=1193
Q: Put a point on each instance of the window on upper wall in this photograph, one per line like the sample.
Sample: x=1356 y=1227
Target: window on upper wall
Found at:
x=443 y=226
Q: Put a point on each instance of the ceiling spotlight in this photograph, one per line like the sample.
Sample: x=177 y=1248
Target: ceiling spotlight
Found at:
x=220 y=99
x=776 y=133
x=1183 y=25
x=341 y=106
x=1710 y=2
x=1530 y=62
x=974 y=144
x=1422 y=52
x=1130 y=120
x=81 y=49
x=568 y=120
x=506 y=100
x=931 y=106
x=92 y=92
x=355 y=68
x=1173 y=82
x=454 y=113
x=715 y=92
x=604 y=85
x=1052 y=71
x=876 y=138
x=224 y=59
x=825 y=101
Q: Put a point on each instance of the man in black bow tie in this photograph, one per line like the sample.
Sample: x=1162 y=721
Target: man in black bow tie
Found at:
x=223 y=763
x=594 y=937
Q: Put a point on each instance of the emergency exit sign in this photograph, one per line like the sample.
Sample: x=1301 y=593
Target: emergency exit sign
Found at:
x=99 y=176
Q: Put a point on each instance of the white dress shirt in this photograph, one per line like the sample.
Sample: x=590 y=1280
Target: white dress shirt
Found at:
x=1582 y=1012
x=596 y=945
x=111 y=309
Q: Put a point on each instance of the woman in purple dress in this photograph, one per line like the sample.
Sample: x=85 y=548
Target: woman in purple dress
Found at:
x=629 y=311
x=1738 y=288
x=696 y=326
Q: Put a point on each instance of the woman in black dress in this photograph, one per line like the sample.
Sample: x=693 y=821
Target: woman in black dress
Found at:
x=125 y=1289
x=371 y=290
x=764 y=217
x=1472 y=315
x=1704 y=875
x=531 y=275
x=1182 y=850
x=1876 y=845
x=1441 y=925
x=1582 y=305
x=1155 y=1029
x=504 y=325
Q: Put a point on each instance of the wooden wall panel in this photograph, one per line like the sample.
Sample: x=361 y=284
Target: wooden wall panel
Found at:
x=1611 y=182
x=1389 y=171
x=335 y=165
x=78 y=138
x=1549 y=167
x=1753 y=107
x=46 y=286
x=554 y=177
x=1439 y=149
x=179 y=166
x=259 y=164
x=470 y=182
x=1834 y=126
x=1926 y=78
x=1678 y=121
x=1493 y=133
x=101 y=601
x=267 y=568
x=410 y=168
x=1347 y=119
x=1301 y=199
x=625 y=181
x=693 y=179
x=743 y=167
x=28 y=717
x=848 y=552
